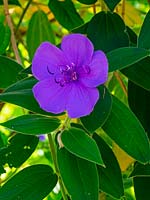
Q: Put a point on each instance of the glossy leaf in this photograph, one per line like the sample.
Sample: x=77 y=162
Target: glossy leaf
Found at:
x=110 y=178
x=79 y=176
x=143 y=40
x=124 y=57
x=21 y=94
x=100 y=113
x=132 y=36
x=107 y=31
x=18 y=150
x=79 y=143
x=4 y=37
x=139 y=73
x=139 y=102
x=25 y=186
x=9 y=71
x=140 y=170
x=112 y=3
x=32 y=124
x=141 y=188
x=125 y=129
x=65 y=13
x=88 y=2
x=40 y=25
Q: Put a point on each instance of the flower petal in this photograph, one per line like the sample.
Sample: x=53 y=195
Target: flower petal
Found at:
x=98 y=70
x=77 y=48
x=81 y=100
x=46 y=59
x=51 y=96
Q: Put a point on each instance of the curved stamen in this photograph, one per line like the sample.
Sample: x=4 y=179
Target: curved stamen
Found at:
x=49 y=71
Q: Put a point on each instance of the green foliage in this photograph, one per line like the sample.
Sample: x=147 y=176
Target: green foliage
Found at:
x=83 y=151
x=125 y=129
x=40 y=25
x=107 y=31
x=82 y=170
x=24 y=185
x=79 y=143
x=37 y=124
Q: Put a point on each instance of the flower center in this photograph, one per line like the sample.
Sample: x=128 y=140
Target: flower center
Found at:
x=69 y=73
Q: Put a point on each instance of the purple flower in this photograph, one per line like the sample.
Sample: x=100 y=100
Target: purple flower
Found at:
x=68 y=77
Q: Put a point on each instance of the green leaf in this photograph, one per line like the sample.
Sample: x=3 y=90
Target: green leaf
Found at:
x=110 y=178
x=4 y=37
x=40 y=25
x=79 y=176
x=79 y=143
x=34 y=182
x=139 y=73
x=88 y=2
x=112 y=3
x=32 y=124
x=100 y=113
x=141 y=188
x=11 y=2
x=65 y=13
x=21 y=94
x=9 y=71
x=18 y=150
x=139 y=102
x=143 y=40
x=140 y=170
x=132 y=36
x=107 y=31
x=125 y=129
x=124 y=57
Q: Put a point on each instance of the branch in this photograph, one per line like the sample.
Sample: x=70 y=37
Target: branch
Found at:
x=13 y=40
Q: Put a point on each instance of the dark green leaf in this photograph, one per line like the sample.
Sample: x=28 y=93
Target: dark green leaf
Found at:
x=18 y=150
x=139 y=102
x=40 y=25
x=32 y=124
x=124 y=57
x=107 y=31
x=12 y=2
x=139 y=73
x=65 y=13
x=88 y=2
x=132 y=36
x=27 y=70
x=143 y=40
x=79 y=176
x=9 y=70
x=81 y=29
x=21 y=94
x=110 y=178
x=141 y=188
x=100 y=113
x=79 y=143
x=4 y=37
x=140 y=170
x=112 y=3
x=125 y=129
x=34 y=182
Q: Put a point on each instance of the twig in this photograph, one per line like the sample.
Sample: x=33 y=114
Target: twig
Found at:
x=121 y=83
x=13 y=40
x=94 y=9
x=23 y=13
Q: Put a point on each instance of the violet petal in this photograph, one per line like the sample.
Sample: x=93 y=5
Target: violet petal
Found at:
x=77 y=48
